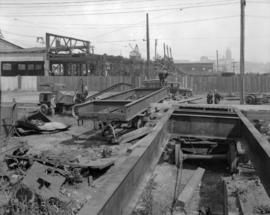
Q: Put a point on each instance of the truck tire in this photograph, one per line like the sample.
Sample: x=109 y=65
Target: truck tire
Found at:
x=44 y=109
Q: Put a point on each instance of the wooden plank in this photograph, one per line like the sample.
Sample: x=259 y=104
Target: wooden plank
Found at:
x=133 y=135
x=185 y=196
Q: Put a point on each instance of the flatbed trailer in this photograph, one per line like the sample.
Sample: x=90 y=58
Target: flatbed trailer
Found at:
x=125 y=107
x=132 y=103
x=109 y=89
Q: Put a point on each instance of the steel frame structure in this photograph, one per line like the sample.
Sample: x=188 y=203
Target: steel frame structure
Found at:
x=57 y=44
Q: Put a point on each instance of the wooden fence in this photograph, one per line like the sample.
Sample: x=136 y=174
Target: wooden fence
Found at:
x=199 y=84
x=253 y=83
x=94 y=83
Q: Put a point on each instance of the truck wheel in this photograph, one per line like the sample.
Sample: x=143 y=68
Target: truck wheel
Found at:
x=44 y=109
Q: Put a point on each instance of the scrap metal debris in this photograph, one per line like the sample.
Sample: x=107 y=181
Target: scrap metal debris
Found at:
x=42 y=183
x=37 y=123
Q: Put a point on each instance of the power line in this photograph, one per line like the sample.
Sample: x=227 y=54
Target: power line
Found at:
x=257 y=16
x=116 y=12
x=259 y=2
x=162 y=23
x=18 y=34
x=39 y=8
x=152 y=24
x=129 y=8
x=61 y=3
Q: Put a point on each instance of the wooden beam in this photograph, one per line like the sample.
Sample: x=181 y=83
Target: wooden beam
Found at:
x=185 y=196
x=133 y=135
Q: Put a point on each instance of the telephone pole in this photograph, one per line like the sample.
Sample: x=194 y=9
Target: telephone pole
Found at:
x=233 y=65
x=164 y=50
x=217 y=59
x=156 y=49
x=147 y=47
x=242 y=52
x=167 y=51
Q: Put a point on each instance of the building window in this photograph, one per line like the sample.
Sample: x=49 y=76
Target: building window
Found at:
x=30 y=66
x=21 y=66
x=7 y=66
x=38 y=66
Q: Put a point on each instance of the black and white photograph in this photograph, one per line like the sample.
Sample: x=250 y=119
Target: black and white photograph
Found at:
x=134 y=107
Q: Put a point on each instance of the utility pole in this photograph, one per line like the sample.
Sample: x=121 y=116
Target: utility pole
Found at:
x=164 y=50
x=167 y=48
x=171 y=53
x=233 y=66
x=217 y=59
x=147 y=47
x=242 y=52
x=156 y=49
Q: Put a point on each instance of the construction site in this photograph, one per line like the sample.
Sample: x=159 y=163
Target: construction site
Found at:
x=96 y=134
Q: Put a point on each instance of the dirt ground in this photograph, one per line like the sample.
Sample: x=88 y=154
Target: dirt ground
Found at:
x=208 y=194
x=79 y=143
x=246 y=191
x=158 y=196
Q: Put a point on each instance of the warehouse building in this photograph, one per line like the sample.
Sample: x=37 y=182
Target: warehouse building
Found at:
x=196 y=68
x=62 y=56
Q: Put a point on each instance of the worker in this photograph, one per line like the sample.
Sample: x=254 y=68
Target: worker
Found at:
x=163 y=74
x=85 y=92
x=53 y=105
x=209 y=97
x=76 y=98
x=217 y=97
x=213 y=97
x=173 y=91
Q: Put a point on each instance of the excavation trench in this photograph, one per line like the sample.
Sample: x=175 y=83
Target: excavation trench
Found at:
x=231 y=153
x=168 y=181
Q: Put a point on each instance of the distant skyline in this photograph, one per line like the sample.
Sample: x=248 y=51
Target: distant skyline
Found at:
x=193 y=28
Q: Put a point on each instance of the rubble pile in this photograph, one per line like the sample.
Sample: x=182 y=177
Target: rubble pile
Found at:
x=46 y=183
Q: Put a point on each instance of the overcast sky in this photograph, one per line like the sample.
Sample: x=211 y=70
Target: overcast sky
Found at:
x=193 y=28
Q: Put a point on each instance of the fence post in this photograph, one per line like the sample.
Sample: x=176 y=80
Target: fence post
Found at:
x=19 y=79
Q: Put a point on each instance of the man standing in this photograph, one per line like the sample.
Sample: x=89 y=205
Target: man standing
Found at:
x=53 y=105
x=217 y=97
x=163 y=74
